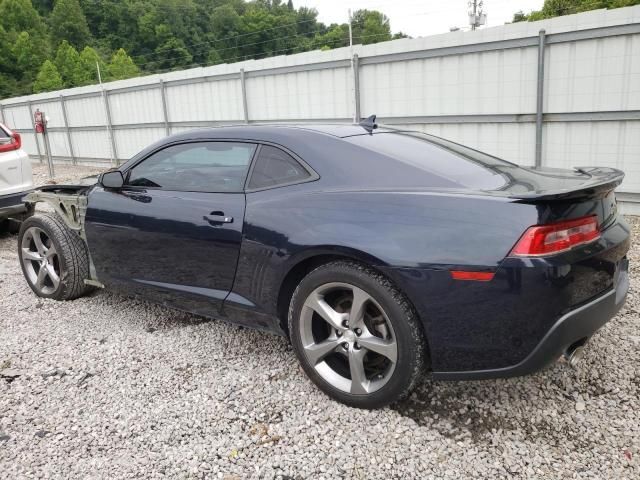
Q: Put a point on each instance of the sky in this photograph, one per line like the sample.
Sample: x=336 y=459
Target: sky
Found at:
x=419 y=18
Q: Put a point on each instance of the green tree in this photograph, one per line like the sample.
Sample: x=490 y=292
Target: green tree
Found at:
x=370 y=26
x=213 y=58
x=89 y=62
x=172 y=54
x=43 y=7
x=19 y=15
x=29 y=52
x=162 y=34
x=7 y=57
x=48 y=78
x=557 y=8
x=67 y=22
x=67 y=62
x=122 y=66
x=336 y=37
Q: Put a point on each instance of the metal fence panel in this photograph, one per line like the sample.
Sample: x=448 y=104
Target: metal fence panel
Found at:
x=92 y=144
x=129 y=140
x=325 y=93
x=17 y=117
x=140 y=106
x=594 y=75
x=203 y=101
x=86 y=111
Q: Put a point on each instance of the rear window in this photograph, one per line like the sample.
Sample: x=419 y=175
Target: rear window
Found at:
x=456 y=164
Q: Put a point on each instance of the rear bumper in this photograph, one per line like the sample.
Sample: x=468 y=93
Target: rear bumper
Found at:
x=580 y=323
x=12 y=204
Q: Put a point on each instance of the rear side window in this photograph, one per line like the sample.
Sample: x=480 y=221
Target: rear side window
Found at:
x=275 y=167
x=195 y=167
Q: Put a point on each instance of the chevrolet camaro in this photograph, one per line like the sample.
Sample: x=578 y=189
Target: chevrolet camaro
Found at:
x=380 y=253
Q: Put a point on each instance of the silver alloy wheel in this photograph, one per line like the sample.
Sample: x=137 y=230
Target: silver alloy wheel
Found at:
x=41 y=260
x=353 y=348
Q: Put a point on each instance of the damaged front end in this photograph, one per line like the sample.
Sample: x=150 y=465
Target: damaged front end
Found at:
x=70 y=203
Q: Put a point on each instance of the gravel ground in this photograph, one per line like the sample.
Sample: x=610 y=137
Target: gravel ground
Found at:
x=110 y=387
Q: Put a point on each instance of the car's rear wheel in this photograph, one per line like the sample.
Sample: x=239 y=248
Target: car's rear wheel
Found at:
x=54 y=259
x=356 y=336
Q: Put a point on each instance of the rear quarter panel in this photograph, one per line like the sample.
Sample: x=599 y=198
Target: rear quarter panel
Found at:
x=421 y=231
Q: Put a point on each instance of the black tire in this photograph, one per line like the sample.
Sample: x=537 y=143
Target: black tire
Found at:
x=411 y=351
x=72 y=263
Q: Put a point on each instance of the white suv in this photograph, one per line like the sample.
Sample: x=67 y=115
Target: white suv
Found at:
x=15 y=176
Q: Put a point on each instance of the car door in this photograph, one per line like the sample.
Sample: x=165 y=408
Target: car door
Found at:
x=173 y=231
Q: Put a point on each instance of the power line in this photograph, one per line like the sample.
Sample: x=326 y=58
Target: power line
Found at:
x=297 y=35
x=228 y=38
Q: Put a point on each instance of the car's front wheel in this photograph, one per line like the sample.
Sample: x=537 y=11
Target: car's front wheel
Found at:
x=356 y=336
x=54 y=259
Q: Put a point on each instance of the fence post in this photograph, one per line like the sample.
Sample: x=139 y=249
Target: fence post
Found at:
x=163 y=94
x=245 y=107
x=540 y=97
x=2 y=114
x=356 y=80
x=114 y=152
x=66 y=129
x=34 y=131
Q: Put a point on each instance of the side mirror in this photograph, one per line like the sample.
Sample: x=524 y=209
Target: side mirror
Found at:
x=112 y=179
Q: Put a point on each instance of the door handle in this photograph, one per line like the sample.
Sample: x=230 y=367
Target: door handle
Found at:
x=217 y=217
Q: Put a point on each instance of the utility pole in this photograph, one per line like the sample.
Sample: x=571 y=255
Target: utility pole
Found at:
x=477 y=17
x=350 y=32
x=353 y=70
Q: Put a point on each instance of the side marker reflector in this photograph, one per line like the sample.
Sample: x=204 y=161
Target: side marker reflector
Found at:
x=476 y=276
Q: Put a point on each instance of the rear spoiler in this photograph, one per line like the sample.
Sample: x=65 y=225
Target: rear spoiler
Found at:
x=602 y=181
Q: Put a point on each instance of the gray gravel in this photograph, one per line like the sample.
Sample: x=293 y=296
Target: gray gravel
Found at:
x=107 y=387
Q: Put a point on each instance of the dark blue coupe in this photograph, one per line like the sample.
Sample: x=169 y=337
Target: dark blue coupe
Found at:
x=382 y=254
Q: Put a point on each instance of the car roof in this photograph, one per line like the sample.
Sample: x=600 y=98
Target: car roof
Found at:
x=258 y=130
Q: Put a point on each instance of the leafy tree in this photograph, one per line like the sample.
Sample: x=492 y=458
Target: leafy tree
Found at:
x=7 y=57
x=336 y=37
x=19 y=15
x=556 y=8
x=122 y=66
x=43 y=7
x=172 y=54
x=67 y=22
x=89 y=62
x=226 y=26
x=29 y=51
x=8 y=86
x=67 y=62
x=160 y=34
x=48 y=78
x=370 y=27
x=213 y=58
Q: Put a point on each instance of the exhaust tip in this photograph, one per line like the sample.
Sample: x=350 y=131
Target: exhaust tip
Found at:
x=574 y=355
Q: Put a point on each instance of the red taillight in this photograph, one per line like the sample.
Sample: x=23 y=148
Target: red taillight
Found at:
x=14 y=143
x=558 y=237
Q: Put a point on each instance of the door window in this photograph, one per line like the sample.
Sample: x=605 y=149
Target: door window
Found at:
x=275 y=167
x=195 y=167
